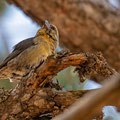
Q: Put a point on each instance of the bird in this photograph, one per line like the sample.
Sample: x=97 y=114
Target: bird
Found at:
x=31 y=52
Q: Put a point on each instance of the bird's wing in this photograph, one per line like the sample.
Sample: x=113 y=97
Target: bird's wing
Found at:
x=20 y=47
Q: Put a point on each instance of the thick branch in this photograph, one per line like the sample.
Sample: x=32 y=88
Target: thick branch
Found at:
x=86 y=65
x=28 y=100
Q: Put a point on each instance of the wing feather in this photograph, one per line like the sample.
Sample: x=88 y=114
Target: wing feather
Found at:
x=19 y=48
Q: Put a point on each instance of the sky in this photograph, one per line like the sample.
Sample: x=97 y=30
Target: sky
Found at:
x=17 y=26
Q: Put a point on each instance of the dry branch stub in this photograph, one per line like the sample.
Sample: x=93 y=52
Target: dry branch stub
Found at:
x=95 y=68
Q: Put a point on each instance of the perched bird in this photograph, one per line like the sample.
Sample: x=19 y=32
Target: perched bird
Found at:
x=31 y=52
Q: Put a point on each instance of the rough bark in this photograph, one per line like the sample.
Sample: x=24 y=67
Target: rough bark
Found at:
x=34 y=95
x=84 y=25
x=31 y=105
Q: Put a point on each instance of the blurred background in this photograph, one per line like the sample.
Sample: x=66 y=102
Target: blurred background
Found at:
x=16 y=26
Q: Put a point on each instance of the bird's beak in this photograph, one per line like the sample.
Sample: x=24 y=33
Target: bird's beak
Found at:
x=47 y=24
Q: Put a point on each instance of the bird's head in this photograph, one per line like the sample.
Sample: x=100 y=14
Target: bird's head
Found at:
x=48 y=30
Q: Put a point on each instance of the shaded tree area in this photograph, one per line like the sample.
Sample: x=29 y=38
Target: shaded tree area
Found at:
x=85 y=26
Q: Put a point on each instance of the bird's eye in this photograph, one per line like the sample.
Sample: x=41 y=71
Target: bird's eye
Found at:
x=53 y=28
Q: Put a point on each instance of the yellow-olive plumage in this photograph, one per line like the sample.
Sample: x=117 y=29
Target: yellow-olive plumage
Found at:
x=31 y=52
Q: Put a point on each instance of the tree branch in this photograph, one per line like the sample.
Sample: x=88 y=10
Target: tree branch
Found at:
x=34 y=95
